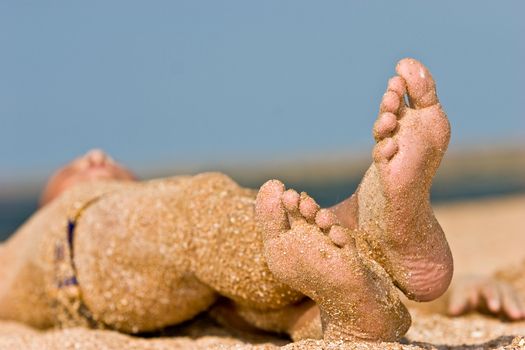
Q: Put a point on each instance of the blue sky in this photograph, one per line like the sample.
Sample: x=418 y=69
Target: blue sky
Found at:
x=168 y=82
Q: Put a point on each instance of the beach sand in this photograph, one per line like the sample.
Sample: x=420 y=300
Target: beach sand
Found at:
x=485 y=235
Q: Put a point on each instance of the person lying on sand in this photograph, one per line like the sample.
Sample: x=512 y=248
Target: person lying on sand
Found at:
x=140 y=256
x=500 y=295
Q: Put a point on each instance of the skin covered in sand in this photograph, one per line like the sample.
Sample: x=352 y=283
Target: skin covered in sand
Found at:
x=407 y=240
x=157 y=253
x=390 y=218
x=307 y=248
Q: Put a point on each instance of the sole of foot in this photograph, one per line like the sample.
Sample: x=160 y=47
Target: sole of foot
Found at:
x=394 y=212
x=307 y=249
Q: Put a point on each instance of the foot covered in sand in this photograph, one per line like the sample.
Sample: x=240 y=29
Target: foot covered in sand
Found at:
x=394 y=213
x=307 y=249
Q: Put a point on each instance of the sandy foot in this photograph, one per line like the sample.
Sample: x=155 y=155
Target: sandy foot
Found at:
x=306 y=249
x=394 y=212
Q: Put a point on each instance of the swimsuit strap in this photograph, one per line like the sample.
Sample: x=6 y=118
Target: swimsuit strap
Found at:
x=69 y=307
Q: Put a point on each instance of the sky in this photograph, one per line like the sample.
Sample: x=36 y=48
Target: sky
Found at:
x=161 y=83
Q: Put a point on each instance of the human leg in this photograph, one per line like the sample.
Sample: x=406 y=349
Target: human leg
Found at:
x=180 y=242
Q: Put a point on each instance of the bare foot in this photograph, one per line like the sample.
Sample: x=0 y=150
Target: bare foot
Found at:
x=488 y=295
x=392 y=203
x=94 y=165
x=305 y=248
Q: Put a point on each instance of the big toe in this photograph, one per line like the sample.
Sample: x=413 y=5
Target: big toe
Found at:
x=420 y=85
x=269 y=209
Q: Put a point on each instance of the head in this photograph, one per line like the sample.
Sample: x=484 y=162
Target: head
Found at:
x=93 y=166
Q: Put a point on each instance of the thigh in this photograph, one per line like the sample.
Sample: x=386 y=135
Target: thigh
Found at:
x=133 y=261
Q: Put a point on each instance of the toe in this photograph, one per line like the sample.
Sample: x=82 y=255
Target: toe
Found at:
x=397 y=85
x=510 y=302
x=385 y=125
x=419 y=83
x=458 y=302
x=474 y=297
x=390 y=102
x=291 y=200
x=270 y=212
x=325 y=219
x=308 y=207
x=340 y=236
x=491 y=294
x=385 y=150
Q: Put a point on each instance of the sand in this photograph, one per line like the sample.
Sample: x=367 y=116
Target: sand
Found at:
x=485 y=235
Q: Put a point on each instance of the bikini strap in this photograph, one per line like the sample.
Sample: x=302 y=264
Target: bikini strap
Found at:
x=68 y=304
